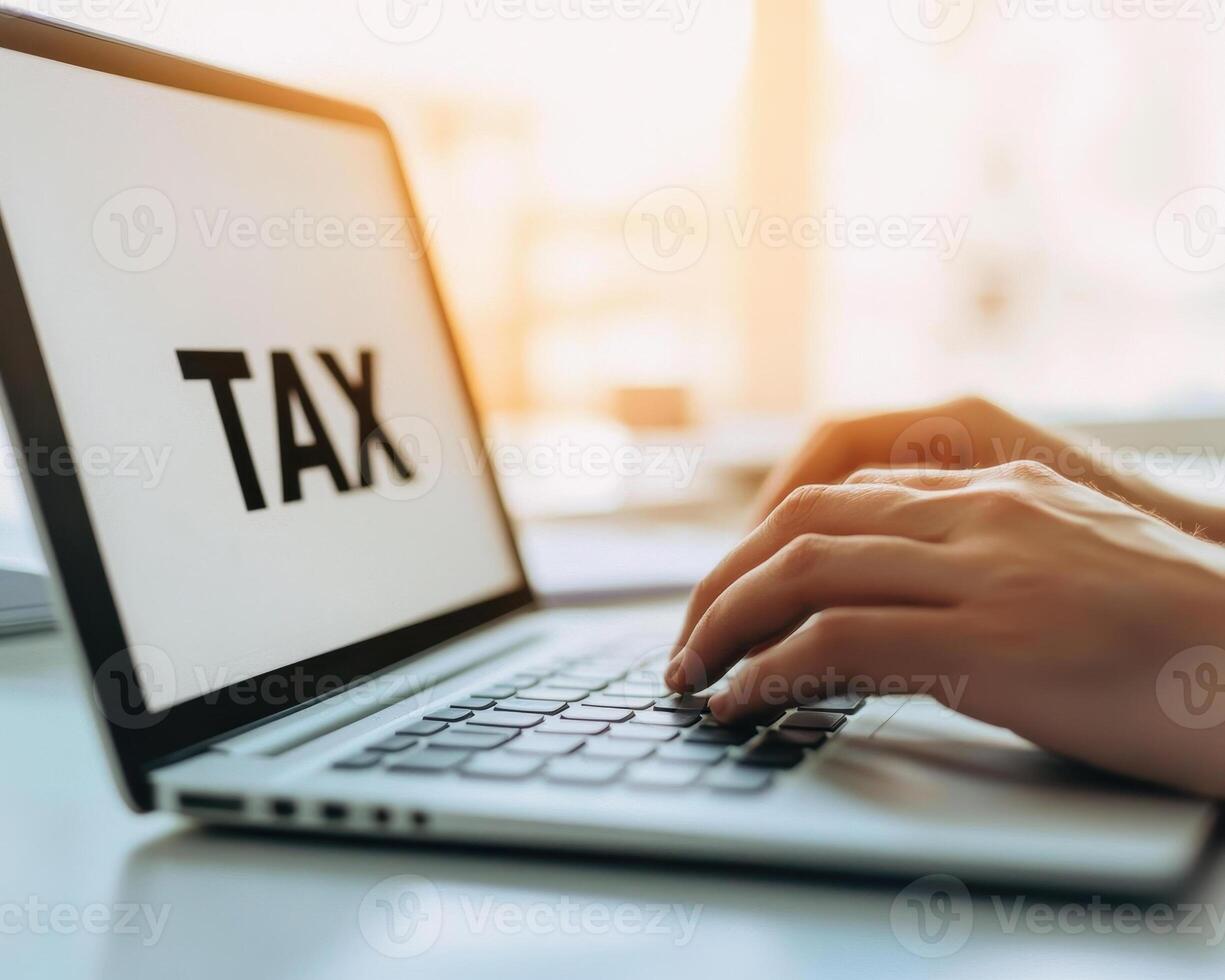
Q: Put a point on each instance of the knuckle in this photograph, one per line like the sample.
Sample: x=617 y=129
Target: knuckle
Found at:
x=1028 y=471
x=704 y=593
x=973 y=405
x=801 y=554
x=870 y=474
x=1000 y=503
x=799 y=506
x=832 y=633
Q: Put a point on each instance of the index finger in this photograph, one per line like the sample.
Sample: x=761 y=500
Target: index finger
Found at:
x=837 y=510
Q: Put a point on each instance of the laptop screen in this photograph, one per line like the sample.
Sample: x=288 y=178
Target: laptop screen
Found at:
x=272 y=435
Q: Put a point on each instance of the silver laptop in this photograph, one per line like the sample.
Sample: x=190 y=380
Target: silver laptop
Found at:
x=297 y=599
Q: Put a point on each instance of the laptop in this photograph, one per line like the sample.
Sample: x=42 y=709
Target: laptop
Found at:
x=297 y=600
x=24 y=606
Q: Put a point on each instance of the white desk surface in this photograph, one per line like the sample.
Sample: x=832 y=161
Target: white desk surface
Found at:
x=239 y=905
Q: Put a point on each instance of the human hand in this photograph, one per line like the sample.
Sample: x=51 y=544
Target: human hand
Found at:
x=968 y=433
x=1067 y=614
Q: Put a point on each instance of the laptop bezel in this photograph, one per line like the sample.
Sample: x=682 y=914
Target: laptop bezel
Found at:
x=140 y=740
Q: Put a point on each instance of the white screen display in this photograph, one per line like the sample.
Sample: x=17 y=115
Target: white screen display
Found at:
x=231 y=306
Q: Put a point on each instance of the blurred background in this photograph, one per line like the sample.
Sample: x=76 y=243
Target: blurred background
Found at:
x=703 y=225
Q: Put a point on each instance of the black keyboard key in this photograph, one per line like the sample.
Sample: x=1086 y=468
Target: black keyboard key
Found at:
x=506 y=719
x=394 y=743
x=608 y=701
x=584 y=770
x=530 y=707
x=697 y=754
x=684 y=702
x=495 y=691
x=363 y=760
x=536 y=743
x=717 y=735
x=558 y=726
x=820 y=721
x=543 y=693
x=848 y=704
x=604 y=748
x=470 y=739
x=668 y=719
x=448 y=714
x=662 y=775
x=501 y=765
x=643 y=733
x=804 y=738
x=473 y=704
x=422 y=728
x=427 y=760
x=771 y=756
x=598 y=714
x=738 y=779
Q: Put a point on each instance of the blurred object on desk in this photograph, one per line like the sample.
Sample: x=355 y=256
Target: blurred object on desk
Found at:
x=571 y=562
x=19 y=546
x=551 y=466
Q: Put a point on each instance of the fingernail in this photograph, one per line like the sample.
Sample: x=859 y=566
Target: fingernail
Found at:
x=672 y=677
x=722 y=705
x=677 y=677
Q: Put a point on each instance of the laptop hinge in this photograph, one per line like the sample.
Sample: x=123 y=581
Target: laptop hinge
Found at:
x=387 y=690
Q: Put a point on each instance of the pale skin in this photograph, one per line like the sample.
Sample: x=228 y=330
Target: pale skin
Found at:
x=1053 y=608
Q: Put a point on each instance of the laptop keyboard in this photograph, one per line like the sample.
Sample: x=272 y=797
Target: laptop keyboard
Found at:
x=595 y=722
